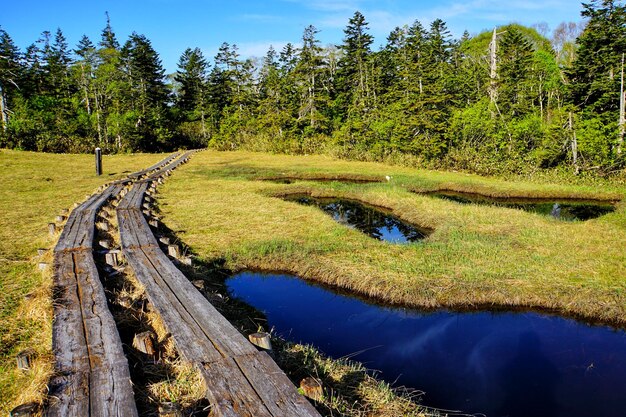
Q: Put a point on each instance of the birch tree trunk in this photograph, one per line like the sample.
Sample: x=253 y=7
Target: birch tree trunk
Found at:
x=574 y=144
x=493 y=69
x=4 y=110
x=622 y=117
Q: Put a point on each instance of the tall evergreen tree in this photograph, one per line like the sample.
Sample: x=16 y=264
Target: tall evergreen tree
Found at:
x=148 y=92
x=310 y=84
x=515 y=59
x=10 y=74
x=192 y=92
x=353 y=80
x=595 y=78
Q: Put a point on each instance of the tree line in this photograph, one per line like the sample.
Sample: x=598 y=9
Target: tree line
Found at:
x=507 y=100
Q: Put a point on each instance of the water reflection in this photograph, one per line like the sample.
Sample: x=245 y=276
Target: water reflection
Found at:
x=561 y=209
x=504 y=364
x=372 y=221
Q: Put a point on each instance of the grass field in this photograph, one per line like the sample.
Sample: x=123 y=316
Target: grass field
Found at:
x=477 y=257
x=34 y=188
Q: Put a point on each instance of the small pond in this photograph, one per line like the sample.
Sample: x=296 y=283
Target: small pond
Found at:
x=348 y=180
x=563 y=209
x=498 y=364
x=372 y=221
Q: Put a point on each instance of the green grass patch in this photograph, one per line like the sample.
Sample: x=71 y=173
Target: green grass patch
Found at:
x=477 y=256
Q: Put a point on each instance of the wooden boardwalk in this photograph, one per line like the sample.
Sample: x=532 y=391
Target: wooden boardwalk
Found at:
x=91 y=371
x=92 y=376
x=241 y=381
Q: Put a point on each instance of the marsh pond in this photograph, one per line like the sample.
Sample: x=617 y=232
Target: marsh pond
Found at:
x=497 y=364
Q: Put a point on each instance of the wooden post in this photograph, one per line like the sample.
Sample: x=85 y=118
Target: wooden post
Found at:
x=199 y=284
x=164 y=240
x=170 y=410
x=186 y=260
x=52 y=229
x=173 y=251
x=154 y=223
x=106 y=244
x=103 y=225
x=111 y=258
x=42 y=266
x=41 y=251
x=98 y=161
x=312 y=388
x=261 y=340
x=145 y=343
x=60 y=219
x=25 y=410
x=25 y=359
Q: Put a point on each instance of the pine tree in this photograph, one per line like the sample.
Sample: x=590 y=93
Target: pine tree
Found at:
x=595 y=72
x=595 y=79
x=515 y=59
x=309 y=80
x=86 y=64
x=148 y=92
x=353 y=83
x=108 y=39
x=59 y=65
x=192 y=92
x=10 y=75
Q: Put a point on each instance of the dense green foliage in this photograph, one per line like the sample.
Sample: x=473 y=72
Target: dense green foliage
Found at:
x=509 y=100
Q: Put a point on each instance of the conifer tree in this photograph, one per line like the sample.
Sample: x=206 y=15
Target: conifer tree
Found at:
x=310 y=84
x=10 y=74
x=353 y=83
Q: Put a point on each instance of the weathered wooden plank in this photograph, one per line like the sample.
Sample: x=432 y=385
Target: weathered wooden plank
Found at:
x=190 y=340
x=240 y=380
x=78 y=232
x=134 y=230
x=92 y=372
x=159 y=164
x=273 y=387
x=226 y=339
x=230 y=393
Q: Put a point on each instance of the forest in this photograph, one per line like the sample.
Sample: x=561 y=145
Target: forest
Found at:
x=510 y=100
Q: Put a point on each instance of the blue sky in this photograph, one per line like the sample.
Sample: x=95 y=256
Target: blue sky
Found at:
x=173 y=25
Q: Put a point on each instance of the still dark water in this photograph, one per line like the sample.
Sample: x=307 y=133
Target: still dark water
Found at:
x=372 y=221
x=291 y=180
x=569 y=210
x=498 y=364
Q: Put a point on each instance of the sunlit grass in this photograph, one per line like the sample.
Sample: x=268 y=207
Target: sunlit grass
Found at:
x=34 y=188
x=476 y=257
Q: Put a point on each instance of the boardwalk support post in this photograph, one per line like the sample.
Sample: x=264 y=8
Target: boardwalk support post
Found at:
x=312 y=388
x=25 y=359
x=261 y=340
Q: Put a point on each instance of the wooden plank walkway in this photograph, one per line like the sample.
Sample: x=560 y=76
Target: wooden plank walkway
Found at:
x=91 y=371
x=241 y=381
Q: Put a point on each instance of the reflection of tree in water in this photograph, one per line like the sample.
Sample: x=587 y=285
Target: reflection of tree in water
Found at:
x=529 y=381
x=368 y=220
x=568 y=210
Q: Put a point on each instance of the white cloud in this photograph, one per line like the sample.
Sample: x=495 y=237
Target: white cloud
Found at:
x=259 y=48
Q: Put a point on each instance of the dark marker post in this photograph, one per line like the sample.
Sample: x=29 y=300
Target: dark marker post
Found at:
x=98 y=161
